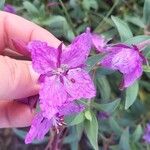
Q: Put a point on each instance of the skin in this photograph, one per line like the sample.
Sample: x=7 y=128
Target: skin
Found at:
x=18 y=79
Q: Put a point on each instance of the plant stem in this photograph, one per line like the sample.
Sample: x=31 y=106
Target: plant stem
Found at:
x=107 y=15
x=68 y=17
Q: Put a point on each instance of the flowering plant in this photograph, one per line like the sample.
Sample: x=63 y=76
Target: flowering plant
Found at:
x=94 y=91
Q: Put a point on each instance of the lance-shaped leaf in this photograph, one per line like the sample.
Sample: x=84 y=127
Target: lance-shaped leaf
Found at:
x=124 y=140
x=91 y=130
x=131 y=94
x=146 y=12
x=123 y=28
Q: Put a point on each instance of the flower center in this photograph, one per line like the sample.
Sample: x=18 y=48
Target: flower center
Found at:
x=61 y=70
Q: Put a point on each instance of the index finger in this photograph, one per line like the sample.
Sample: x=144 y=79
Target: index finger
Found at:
x=15 y=27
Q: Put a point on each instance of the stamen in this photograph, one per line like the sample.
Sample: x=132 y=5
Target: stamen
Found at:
x=58 y=122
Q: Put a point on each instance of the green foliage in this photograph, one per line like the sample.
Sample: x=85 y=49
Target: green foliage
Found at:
x=103 y=87
x=87 y=4
x=146 y=12
x=31 y=9
x=91 y=130
x=109 y=107
x=123 y=29
x=77 y=119
x=131 y=94
x=92 y=61
x=2 y=2
x=137 y=39
x=124 y=140
x=115 y=126
x=137 y=133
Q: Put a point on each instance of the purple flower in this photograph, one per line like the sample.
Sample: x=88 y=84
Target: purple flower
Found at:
x=98 y=41
x=62 y=74
x=9 y=8
x=103 y=115
x=41 y=125
x=126 y=59
x=146 y=135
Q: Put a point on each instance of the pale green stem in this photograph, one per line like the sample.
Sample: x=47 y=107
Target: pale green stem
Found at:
x=107 y=15
x=68 y=17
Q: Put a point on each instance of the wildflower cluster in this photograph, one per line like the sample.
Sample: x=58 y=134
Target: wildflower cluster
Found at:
x=64 y=79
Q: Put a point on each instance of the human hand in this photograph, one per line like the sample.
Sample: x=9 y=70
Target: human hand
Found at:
x=18 y=79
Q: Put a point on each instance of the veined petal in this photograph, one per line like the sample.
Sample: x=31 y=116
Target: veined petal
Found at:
x=129 y=79
x=121 y=57
x=76 y=53
x=99 y=42
x=40 y=126
x=126 y=60
x=78 y=84
x=70 y=108
x=107 y=61
x=44 y=57
x=52 y=94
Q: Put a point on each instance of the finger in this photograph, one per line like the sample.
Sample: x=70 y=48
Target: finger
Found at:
x=19 y=75
x=15 y=114
x=15 y=27
x=18 y=80
x=15 y=55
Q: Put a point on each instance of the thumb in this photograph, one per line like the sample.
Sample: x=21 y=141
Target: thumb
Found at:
x=18 y=79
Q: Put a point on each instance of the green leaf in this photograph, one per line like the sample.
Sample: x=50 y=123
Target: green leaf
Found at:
x=74 y=145
x=123 y=28
x=88 y=115
x=137 y=39
x=59 y=26
x=72 y=136
x=92 y=61
x=124 y=140
x=91 y=130
x=79 y=130
x=109 y=107
x=77 y=119
x=146 y=12
x=131 y=94
x=146 y=68
x=136 y=20
x=87 y=4
x=115 y=126
x=137 y=133
x=2 y=2
x=103 y=86
x=104 y=71
x=32 y=10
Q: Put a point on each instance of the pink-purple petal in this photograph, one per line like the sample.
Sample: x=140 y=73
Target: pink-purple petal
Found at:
x=40 y=126
x=52 y=94
x=130 y=78
x=78 y=84
x=44 y=57
x=99 y=42
x=125 y=59
x=70 y=108
x=76 y=53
